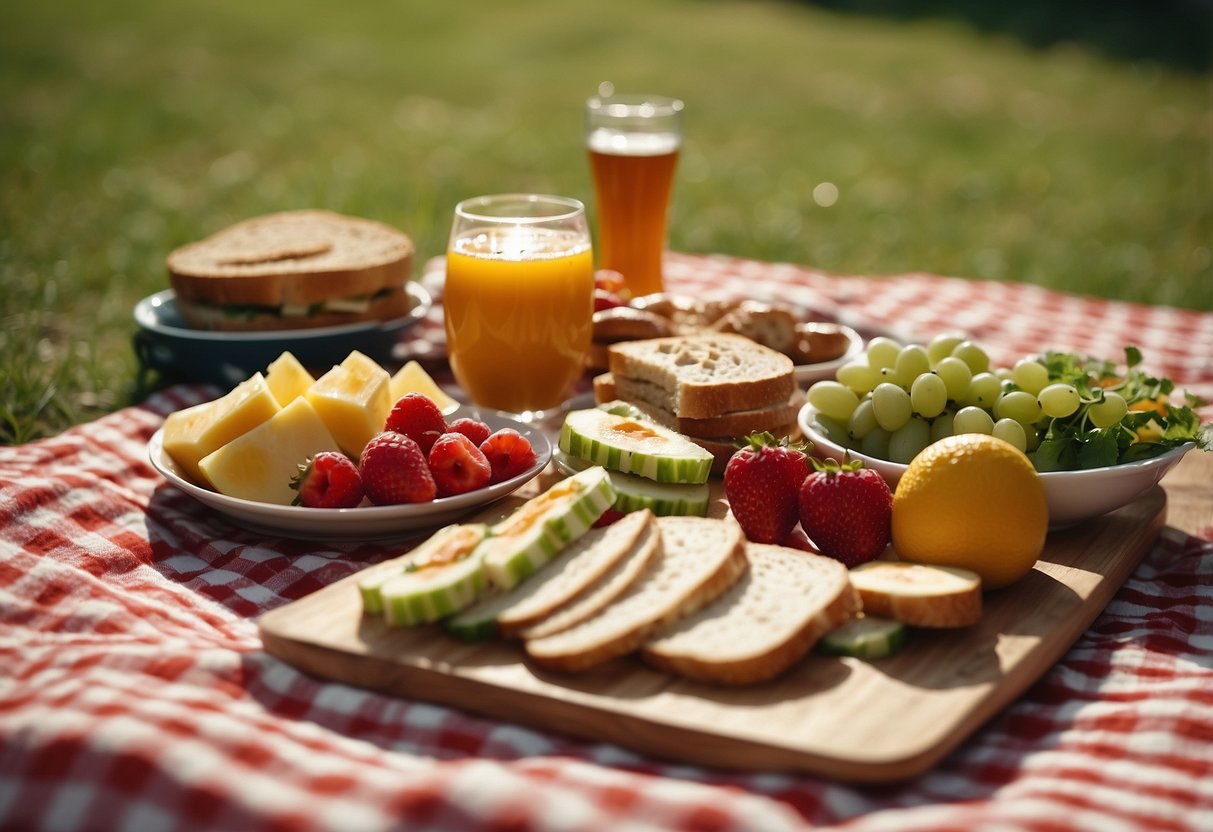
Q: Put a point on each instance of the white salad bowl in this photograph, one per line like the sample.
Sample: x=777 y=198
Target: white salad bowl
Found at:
x=1073 y=496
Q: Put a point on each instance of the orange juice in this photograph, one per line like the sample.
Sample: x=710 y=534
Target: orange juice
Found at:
x=633 y=178
x=518 y=304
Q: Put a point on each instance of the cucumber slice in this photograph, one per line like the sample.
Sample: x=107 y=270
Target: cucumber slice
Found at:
x=865 y=637
x=542 y=526
x=433 y=591
x=634 y=446
x=664 y=499
x=445 y=545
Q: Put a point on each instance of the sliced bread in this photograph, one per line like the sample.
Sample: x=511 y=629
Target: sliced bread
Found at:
x=700 y=558
x=292 y=258
x=703 y=376
x=919 y=594
x=582 y=563
x=763 y=625
x=647 y=397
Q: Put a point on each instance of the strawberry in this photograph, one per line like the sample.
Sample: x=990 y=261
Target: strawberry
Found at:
x=611 y=515
x=762 y=483
x=458 y=465
x=473 y=429
x=395 y=471
x=328 y=480
x=509 y=454
x=846 y=510
x=417 y=417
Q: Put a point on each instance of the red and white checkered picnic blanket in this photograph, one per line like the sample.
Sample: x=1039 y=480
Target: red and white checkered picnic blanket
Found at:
x=134 y=693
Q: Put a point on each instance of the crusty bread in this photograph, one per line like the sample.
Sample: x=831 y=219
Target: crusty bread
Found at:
x=294 y=258
x=761 y=626
x=700 y=559
x=566 y=577
x=705 y=375
x=738 y=423
x=602 y=592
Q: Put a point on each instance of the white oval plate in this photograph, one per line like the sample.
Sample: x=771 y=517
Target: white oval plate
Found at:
x=806 y=374
x=365 y=522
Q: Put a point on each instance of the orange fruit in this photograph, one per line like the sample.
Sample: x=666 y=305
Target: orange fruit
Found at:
x=975 y=502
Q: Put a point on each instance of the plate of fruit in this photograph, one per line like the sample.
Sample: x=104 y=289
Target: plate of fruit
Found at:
x=274 y=454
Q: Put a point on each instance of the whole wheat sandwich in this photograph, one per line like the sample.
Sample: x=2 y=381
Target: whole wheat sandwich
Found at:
x=715 y=389
x=293 y=270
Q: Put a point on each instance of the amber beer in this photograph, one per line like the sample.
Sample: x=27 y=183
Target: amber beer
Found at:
x=633 y=145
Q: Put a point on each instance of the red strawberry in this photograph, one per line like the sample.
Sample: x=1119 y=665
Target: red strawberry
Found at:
x=606 y=300
x=417 y=417
x=509 y=454
x=328 y=480
x=458 y=465
x=394 y=471
x=762 y=483
x=608 y=517
x=846 y=510
x=471 y=428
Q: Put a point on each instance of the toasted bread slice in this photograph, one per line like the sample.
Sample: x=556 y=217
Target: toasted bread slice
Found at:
x=763 y=625
x=700 y=559
x=567 y=576
x=701 y=376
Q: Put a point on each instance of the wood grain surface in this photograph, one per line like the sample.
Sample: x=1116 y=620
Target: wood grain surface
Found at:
x=839 y=717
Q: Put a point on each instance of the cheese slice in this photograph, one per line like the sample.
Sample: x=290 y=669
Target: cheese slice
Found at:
x=353 y=399
x=287 y=378
x=191 y=434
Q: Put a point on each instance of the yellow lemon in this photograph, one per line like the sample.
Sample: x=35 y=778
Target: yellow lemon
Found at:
x=974 y=502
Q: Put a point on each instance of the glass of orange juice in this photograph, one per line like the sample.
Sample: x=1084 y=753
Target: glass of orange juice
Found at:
x=519 y=300
x=633 y=142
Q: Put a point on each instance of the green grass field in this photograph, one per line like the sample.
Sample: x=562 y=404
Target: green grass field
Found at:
x=1067 y=145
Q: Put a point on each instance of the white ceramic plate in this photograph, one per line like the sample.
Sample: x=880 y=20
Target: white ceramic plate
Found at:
x=364 y=522
x=165 y=343
x=1073 y=496
x=806 y=374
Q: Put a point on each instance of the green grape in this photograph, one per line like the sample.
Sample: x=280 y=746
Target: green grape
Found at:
x=941 y=347
x=970 y=353
x=835 y=431
x=1033 y=437
x=1058 y=401
x=1109 y=411
x=956 y=376
x=1003 y=373
x=859 y=376
x=907 y=441
x=863 y=419
x=941 y=425
x=984 y=390
x=834 y=399
x=1009 y=430
x=972 y=419
x=882 y=352
x=911 y=362
x=876 y=444
x=891 y=404
x=1030 y=375
x=1018 y=405
x=928 y=395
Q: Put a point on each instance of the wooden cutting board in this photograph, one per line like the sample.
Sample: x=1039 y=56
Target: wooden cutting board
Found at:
x=839 y=717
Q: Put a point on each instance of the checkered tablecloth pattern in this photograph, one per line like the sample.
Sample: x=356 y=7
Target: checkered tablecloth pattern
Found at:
x=134 y=693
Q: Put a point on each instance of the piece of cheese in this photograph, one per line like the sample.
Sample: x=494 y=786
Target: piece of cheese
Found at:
x=287 y=378
x=353 y=399
x=260 y=464
x=412 y=378
x=191 y=434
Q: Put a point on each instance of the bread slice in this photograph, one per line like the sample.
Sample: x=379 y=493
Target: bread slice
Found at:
x=919 y=594
x=763 y=625
x=738 y=423
x=567 y=576
x=293 y=259
x=701 y=376
x=602 y=592
x=700 y=559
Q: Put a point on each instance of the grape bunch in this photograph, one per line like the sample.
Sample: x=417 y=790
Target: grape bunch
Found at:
x=893 y=400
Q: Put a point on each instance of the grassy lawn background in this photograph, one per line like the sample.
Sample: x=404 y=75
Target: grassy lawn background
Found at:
x=1066 y=145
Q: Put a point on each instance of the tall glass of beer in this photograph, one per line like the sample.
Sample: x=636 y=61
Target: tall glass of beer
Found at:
x=633 y=143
